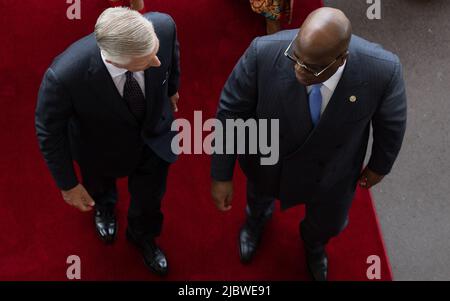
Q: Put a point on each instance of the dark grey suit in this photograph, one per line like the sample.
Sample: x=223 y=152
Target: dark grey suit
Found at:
x=318 y=166
x=80 y=115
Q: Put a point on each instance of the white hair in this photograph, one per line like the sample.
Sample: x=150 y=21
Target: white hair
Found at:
x=122 y=33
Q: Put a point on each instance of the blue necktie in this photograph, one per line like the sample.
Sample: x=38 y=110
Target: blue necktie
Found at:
x=315 y=103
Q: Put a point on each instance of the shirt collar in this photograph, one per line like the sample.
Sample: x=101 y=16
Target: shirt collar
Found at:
x=333 y=81
x=113 y=70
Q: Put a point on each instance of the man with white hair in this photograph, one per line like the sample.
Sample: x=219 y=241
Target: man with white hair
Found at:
x=106 y=102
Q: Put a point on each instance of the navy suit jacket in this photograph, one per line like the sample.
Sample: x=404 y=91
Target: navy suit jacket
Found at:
x=80 y=114
x=314 y=160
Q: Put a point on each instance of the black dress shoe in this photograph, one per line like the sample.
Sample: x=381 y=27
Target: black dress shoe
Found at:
x=317 y=263
x=105 y=224
x=249 y=238
x=154 y=257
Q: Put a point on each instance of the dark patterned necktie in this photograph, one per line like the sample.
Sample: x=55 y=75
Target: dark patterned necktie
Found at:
x=134 y=97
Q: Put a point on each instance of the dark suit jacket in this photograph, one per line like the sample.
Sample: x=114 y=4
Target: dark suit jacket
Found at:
x=80 y=114
x=312 y=161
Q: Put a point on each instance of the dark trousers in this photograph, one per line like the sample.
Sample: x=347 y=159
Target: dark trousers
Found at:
x=325 y=217
x=146 y=185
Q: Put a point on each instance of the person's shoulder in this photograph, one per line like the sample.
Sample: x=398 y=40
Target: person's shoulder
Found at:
x=274 y=42
x=159 y=19
x=76 y=57
x=281 y=37
x=369 y=51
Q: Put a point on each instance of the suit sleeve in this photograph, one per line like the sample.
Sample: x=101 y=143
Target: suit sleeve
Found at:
x=237 y=101
x=389 y=125
x=174 y=76
x=53 y=112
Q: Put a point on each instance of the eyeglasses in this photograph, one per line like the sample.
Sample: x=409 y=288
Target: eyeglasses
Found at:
x=302 y=64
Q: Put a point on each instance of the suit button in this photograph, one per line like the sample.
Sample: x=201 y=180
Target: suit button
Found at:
x=338 y=146
x=321 y=163
x=163 y=117
x=318 y=181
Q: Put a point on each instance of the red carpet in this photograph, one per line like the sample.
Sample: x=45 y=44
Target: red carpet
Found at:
x=38 y=231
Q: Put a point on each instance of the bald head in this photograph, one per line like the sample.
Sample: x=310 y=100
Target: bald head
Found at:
x=321 y=45
x=324 y=35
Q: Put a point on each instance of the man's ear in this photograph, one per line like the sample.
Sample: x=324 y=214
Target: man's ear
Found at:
x=114 y=64
x=344 y=58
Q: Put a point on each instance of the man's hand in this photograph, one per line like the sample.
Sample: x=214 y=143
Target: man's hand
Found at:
x=369 y=178
x=174 y=101
x=222 y=194
x=79 y=198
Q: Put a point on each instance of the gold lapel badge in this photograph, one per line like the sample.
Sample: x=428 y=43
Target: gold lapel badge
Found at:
x=353 y=98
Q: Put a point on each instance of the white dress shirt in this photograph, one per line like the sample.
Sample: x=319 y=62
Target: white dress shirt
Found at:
x=328 y=87
x=118 y=76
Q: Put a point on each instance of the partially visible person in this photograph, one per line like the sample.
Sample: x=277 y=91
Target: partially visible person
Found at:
x=134 y=4
x=273 y=11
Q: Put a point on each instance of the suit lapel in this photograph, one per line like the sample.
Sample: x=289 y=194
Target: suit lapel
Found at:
x=103 y=85
x=294 y=100
x=340 y=105
x=153 y=86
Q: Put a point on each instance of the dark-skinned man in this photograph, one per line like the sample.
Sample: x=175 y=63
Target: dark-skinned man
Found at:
x=326 y=87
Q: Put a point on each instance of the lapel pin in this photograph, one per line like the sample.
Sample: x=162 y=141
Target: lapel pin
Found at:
x=353 y=98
